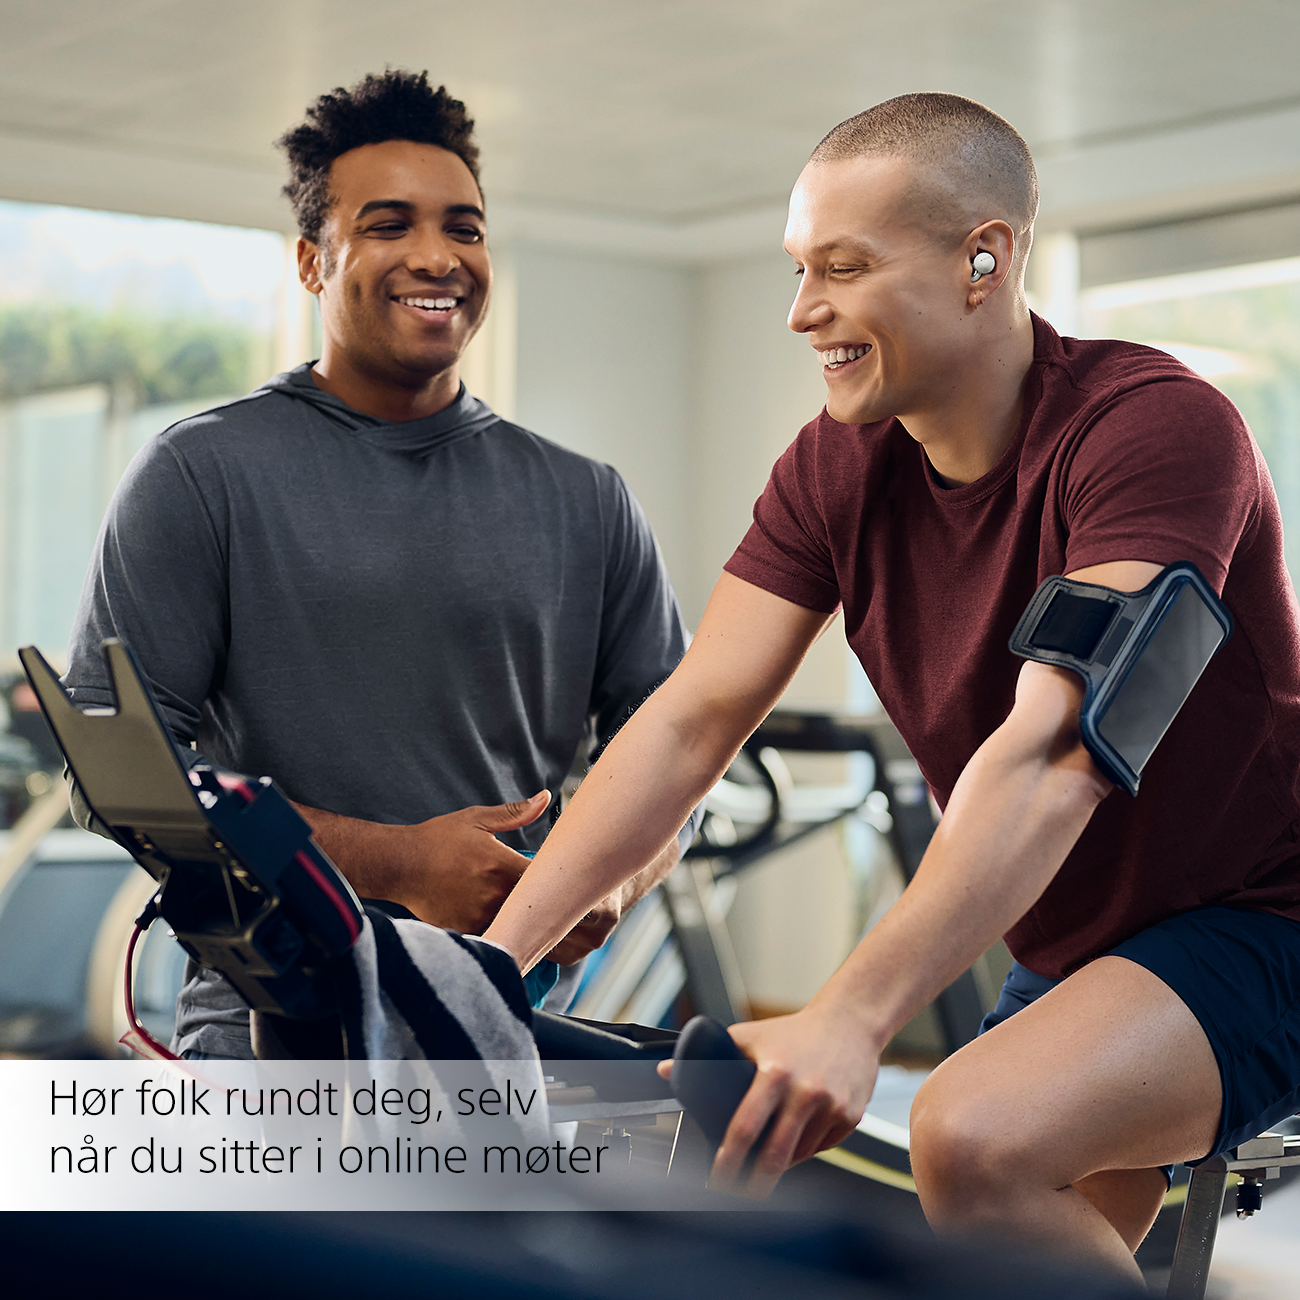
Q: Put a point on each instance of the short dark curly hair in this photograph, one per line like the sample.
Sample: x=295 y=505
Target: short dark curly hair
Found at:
x=395 y=105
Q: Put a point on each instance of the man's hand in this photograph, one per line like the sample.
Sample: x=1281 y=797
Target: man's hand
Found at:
x=451 y=870
x=461 y=872
x=816 y=1072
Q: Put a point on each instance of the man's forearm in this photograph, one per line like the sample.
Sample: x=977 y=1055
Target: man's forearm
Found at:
x=450 y=870
x=372 y=855
x=609 y=839
x=1016 y=812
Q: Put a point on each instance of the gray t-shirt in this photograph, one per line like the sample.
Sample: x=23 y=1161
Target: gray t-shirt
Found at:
x=392 y=620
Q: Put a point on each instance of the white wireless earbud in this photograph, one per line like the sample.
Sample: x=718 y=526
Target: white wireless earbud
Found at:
x=981 y=264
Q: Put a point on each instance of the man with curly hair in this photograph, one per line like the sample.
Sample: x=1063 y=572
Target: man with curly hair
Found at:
x=361 y=581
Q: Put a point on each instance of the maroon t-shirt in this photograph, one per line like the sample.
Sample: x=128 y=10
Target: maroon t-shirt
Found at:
x=1123 y=454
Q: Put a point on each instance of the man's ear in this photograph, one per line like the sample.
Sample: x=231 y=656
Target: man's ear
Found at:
x=310 y=265
x=996 y=241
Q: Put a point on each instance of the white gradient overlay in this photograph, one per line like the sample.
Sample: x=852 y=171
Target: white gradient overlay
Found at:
x=143 y=1135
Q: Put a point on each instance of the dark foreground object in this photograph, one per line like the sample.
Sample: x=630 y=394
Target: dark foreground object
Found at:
x=584 y=1256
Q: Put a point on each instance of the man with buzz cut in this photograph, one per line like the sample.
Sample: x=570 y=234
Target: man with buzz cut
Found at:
x=967 y=454
x=362 y=582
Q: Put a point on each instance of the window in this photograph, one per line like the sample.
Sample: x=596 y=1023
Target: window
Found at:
x=112 y=327
x=1237 y=323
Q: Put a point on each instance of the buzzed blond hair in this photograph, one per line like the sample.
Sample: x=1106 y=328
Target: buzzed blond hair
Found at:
x=978 y=165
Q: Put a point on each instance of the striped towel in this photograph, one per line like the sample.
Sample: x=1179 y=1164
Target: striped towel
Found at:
x=413 y=992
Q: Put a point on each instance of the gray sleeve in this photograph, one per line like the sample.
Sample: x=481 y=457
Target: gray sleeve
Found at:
x=642 y=634
x=158 y=581
x=81 y=813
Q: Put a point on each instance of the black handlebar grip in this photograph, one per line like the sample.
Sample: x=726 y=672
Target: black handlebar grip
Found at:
x=710 y=1075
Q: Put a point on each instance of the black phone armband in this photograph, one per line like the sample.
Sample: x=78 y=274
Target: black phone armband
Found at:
x=1139 y=654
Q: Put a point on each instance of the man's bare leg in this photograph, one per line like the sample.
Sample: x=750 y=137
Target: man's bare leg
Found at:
x=1128 y=1199
x=1109 y=1071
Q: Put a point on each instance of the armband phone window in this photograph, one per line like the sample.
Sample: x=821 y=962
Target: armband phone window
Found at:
x=1139 y=654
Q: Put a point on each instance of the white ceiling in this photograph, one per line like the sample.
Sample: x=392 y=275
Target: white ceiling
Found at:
x=636 y=122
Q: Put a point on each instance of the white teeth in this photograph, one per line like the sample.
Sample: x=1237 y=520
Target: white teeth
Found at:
x=834 y=357
x=430 y=304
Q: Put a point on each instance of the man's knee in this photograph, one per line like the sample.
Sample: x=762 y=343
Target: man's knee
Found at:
x=968 y=1149
x=954 y=1149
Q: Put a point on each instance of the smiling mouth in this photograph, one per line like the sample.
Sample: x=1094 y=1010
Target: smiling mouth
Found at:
x=429 y=304
x=834 y=358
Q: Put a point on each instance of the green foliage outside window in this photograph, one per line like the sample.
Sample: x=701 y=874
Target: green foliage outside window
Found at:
x=44 y=347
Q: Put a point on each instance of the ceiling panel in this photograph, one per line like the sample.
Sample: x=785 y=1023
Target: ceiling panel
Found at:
x=652 y=108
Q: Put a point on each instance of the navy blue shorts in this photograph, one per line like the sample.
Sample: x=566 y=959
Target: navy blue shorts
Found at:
x=1238 y=972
